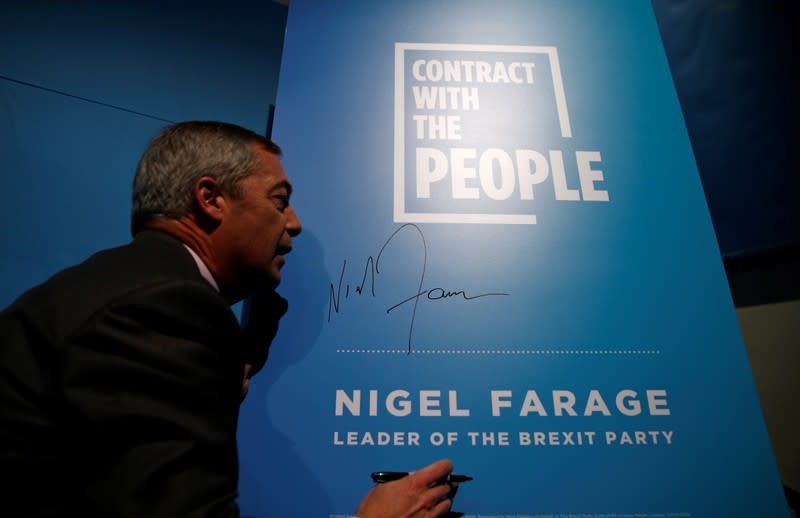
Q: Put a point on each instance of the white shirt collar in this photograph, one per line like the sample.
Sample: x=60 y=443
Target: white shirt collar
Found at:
x=204 y=271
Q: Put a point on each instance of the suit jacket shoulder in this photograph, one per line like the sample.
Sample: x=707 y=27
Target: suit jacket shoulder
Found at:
x=120 y=384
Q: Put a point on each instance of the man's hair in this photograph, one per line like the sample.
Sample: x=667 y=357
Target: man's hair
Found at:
x=180 y=155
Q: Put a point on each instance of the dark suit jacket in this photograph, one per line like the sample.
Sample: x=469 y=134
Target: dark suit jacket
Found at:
x=120 y=384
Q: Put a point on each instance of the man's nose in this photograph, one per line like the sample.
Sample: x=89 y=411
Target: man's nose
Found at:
x=293 y=226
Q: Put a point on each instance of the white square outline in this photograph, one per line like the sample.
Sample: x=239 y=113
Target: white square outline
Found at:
x=400 y=214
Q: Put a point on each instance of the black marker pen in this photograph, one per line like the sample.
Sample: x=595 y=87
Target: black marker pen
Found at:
x=380 y=477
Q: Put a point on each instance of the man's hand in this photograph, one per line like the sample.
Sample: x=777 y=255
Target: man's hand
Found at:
x=414 y=496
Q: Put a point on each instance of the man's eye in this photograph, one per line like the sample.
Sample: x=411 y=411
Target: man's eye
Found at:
x=281 y=202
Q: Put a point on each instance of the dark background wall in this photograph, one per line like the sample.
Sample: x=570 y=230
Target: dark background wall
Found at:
x=84 y=85
x=732 y=63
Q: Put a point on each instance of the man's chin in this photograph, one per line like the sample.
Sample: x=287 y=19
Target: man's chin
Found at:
x=275 y=276
x=266 y=281
x=275 y=271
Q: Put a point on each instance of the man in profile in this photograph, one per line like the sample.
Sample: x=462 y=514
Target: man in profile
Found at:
x=121 y=377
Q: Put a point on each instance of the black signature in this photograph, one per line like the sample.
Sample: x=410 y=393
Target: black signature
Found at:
x=372 y=270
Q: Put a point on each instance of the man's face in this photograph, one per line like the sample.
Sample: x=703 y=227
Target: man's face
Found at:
x=260 y=224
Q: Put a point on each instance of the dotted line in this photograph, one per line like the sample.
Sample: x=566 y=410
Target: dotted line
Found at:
x=510 y=352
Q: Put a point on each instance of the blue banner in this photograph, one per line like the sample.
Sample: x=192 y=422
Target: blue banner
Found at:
x=507 y=260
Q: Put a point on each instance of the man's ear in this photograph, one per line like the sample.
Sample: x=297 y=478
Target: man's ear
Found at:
x=209 y=199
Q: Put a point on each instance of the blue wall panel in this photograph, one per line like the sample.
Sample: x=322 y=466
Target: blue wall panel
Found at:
x=605 y=295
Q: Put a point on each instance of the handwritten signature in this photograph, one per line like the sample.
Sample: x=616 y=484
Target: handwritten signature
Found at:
x=372 y=270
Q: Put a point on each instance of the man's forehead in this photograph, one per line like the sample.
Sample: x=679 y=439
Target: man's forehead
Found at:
x=270 y=166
